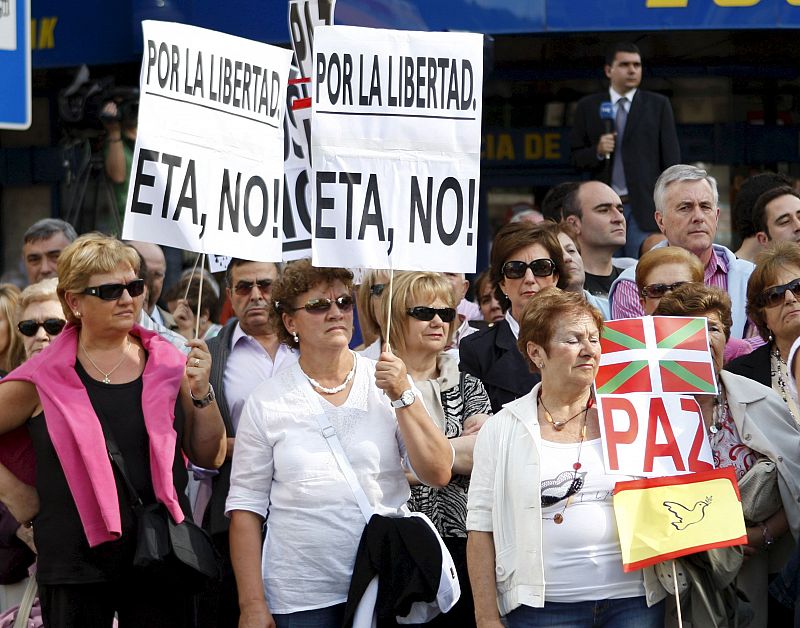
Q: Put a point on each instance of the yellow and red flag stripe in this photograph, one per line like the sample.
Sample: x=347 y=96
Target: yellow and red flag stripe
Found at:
x=663 y=518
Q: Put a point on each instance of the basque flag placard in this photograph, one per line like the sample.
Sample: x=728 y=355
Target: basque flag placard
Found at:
x=656 y=354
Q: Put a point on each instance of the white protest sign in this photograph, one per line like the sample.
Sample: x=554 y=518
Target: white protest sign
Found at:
x=395 y=140
x=207 y=171
x=304 y=17
x=218 y=263
x=653 y=435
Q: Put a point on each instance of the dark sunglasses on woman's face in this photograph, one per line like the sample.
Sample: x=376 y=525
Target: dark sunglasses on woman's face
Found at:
x=376 y=290
x=244 y=288
x=422 y=313
x=516 y=269
x=113 y=291
x=318 y=306
x=774 y=296
x=658 y=290
x=52 y=326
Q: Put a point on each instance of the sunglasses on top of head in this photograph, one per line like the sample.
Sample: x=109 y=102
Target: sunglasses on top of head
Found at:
x=423 y=313
x=658 y=290
x=113 y=291
x=318 y=306
x=52 y=326
x=516 y=269
x=244 y=288
x=772 y=297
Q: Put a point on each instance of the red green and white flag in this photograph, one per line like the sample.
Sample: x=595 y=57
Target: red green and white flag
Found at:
x=656 y=354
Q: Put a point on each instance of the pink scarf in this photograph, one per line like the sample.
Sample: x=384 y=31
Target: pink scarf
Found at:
x=78 y=438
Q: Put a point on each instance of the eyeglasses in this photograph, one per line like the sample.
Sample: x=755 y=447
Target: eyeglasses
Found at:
x=772 y=297
x=244 y=288
x=318 y=306
x=113 y=291
x=52 y=326
x=376 y=290
x=658 y=290
x=516 y=269
x=422 y=313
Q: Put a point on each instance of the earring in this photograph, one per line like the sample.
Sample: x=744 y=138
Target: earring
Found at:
x=77 y=314
x=296 y=338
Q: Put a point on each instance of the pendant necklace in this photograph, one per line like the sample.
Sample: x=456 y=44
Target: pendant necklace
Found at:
x=558 y=518
x=335 y=389
x=107 y=376
x=719 y=413
x=559 y=425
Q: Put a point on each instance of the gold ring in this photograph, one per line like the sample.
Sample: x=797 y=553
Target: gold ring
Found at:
x=196 y=362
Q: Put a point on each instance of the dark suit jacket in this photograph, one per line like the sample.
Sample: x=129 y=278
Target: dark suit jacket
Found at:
x=649 y=146
x=492 y=356
x=214 y=520
x=754 y=365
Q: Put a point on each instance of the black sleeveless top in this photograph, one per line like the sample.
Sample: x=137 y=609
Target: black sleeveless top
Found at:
x=64 y=553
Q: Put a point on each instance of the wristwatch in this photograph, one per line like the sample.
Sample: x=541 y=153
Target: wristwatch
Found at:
x=405 y=400
x=209 y=398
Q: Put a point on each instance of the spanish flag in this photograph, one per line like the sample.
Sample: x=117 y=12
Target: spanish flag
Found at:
x=668 y=517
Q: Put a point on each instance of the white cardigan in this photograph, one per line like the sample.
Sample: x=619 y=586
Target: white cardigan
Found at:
x=505 y=499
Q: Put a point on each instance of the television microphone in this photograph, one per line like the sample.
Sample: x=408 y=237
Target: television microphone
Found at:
x=607 y=116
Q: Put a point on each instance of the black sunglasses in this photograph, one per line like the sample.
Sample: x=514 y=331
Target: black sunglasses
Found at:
x=774 y=296
x=376 y=290
x=52 y=326
x=423 y=313
x=113 y=291
x=516 y=269
x=658 y=290
x=318 y=306
x=244 y=288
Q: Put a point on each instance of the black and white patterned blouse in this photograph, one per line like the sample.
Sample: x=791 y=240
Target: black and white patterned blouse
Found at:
x=447 y=507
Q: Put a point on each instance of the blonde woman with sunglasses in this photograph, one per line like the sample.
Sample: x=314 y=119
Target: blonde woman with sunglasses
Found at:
x=103 y=377
x=285 y=474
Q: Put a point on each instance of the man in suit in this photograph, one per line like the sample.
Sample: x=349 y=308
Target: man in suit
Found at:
x=642 y=143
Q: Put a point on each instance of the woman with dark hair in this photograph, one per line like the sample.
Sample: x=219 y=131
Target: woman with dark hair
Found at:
x=773 y=304
x=185 y=310
x=285 y=473
x=102 y=378
x=746 y=421
x=525 y=259
x=487 y=298
x=543 y=548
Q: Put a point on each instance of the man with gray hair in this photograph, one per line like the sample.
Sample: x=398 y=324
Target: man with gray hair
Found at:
x=687 y=212
x=41 y=246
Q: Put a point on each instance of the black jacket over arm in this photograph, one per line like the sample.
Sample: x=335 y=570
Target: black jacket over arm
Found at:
x=649 y=146
x=492 y=356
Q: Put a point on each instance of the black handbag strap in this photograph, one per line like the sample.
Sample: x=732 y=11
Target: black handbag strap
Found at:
x=115 y=455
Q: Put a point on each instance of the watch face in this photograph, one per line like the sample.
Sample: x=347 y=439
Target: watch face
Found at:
x=407 y=397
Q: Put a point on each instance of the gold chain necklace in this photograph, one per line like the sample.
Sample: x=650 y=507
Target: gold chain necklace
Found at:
x=106 y=376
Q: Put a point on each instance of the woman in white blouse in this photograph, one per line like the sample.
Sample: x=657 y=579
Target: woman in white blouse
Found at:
x=285 y=474
x=543 y=547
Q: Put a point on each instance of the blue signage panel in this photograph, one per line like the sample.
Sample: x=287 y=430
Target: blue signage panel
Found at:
x=15 y=64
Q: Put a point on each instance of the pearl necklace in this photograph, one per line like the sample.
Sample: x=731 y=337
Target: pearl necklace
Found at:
x=107 y=376
x=335 y=389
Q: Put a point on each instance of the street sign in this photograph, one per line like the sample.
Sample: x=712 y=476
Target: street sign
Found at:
x=15 y=64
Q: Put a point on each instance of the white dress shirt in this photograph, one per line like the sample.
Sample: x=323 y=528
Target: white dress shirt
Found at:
x=249 y=364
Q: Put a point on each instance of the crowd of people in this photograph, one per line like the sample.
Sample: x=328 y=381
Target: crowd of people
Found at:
x=459 y=428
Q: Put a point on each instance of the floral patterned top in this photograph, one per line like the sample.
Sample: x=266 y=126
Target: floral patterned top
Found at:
x=727 y=446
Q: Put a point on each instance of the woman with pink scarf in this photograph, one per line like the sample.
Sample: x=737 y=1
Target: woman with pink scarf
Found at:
x=103 y=374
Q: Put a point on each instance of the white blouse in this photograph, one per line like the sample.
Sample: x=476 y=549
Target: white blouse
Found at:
x=283 y=470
